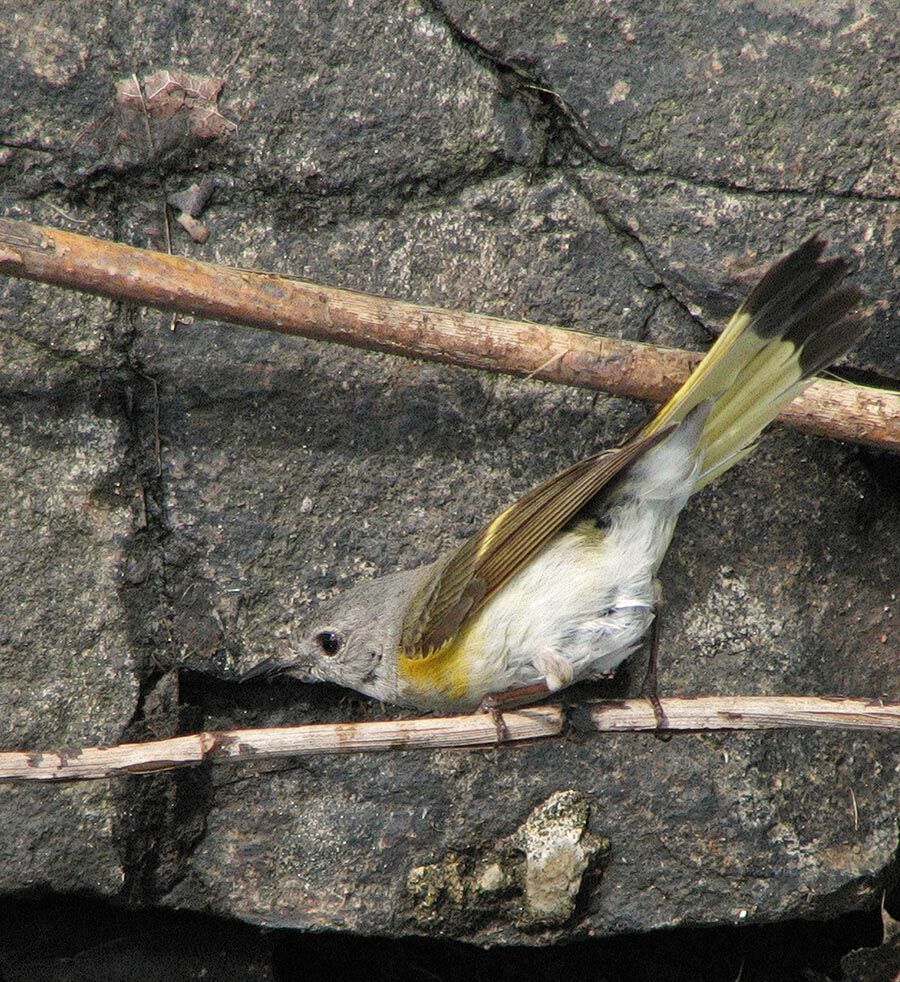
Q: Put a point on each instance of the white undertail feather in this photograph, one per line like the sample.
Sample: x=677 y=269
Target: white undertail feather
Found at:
x=790 y=326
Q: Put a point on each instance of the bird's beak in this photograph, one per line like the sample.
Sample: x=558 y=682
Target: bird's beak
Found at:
x=270 y=668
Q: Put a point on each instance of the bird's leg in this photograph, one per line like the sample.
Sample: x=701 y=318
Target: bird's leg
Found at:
x=649 y=689
x=494 y=703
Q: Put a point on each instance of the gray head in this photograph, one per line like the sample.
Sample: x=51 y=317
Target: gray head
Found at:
x=352 y=639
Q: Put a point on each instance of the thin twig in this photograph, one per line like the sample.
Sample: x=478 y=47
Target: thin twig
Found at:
x=140 y=88
x=474 y=731
x=292 y=306
x=478 y=730
x=65 y=214
x=167 y=230
x=748 y=713
x=550 y=361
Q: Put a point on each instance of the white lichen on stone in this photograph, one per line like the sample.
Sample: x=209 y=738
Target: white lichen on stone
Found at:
x=558 y=849
x=491 y=879
x=531 y=877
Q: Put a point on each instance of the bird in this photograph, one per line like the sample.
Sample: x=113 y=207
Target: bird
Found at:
x=562 y=586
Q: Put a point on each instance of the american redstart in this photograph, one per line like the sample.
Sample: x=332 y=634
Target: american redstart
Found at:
x=560 y=586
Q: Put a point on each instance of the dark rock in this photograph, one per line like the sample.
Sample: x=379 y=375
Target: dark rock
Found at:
x=173 y=501
x=881 y=964
x=69 y=672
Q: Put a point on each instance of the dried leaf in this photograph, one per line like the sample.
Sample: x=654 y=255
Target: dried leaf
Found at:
x=166 y=93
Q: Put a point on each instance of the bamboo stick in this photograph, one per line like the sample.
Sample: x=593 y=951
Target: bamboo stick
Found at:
x=748 y=713
x=474 y=731
x=292 y=306
x=477 y=730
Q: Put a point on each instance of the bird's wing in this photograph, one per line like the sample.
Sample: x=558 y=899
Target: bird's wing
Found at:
x=470 y=576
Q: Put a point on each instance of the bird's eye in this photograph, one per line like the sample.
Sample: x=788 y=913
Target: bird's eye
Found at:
x=329 y=642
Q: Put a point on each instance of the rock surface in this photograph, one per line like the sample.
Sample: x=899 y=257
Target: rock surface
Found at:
x=620 y=173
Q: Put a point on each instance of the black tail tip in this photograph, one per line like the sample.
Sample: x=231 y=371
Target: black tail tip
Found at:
x=797 y=286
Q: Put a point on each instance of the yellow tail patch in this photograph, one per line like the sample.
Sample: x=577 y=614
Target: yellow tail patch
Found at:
x=794 y=323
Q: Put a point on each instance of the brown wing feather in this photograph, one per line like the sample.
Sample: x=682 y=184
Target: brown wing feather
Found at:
x=487 y=560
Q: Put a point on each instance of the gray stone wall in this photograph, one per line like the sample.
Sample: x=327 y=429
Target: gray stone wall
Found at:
x=614 y=168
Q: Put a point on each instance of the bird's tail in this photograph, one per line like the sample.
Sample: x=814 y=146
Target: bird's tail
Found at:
x=795 y=322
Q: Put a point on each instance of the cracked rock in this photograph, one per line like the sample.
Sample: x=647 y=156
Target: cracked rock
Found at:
x=415 y=151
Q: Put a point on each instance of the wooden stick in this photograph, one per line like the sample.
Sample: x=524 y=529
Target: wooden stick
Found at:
x=748 y=713
x=293 y=306
x=477 y=730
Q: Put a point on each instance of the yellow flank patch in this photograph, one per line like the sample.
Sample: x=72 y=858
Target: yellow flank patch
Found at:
x=442 y=672
x=588 y=532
